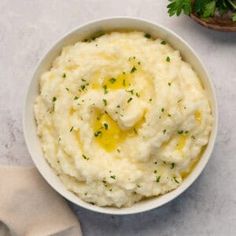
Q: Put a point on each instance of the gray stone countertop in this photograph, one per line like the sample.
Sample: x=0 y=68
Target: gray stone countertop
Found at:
x=29 y=27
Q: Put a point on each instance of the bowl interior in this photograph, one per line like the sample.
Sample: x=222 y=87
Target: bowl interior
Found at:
x=113 y=24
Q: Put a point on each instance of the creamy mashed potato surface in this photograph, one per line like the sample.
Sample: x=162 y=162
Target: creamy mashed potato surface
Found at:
x=122 y=118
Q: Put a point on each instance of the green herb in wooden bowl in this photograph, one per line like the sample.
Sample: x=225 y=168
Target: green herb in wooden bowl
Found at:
x=214 y=14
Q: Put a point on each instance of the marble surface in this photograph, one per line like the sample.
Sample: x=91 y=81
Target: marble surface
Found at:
x=29 y=27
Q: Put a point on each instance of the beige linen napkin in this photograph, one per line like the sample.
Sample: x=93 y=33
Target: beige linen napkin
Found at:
x=30 y=207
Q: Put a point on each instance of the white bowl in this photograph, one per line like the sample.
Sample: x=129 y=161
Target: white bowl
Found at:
x=112 y=24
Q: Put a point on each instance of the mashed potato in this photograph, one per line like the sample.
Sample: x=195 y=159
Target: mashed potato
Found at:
x=122 y=118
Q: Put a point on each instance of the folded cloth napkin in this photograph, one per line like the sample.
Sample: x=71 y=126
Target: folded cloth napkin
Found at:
x=30 y=207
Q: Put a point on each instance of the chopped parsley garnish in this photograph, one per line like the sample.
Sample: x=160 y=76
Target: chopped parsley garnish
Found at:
x=71 y=129
x=193 y=137
x=162 y=109
x=172 y=165
x=133 y=69
x=168 y=59
x=64 y=75
x=129 y=100
x=104 y=101
x=175 y=180
x=138 y=186
x=186 y=131
x=169 y=83
x=123 y=82
x=164 y=131
x=75 y=98
x=118 y=106
x=137 y=95
x=83 y=87
x=130 y=91
x=85 y=157
x=54 y=99
x=169 y=115
x=98 y=133
x=155 y=171
x=113 y=176
x=105 y=126
x=150 y=99
x=158 y=179
x=67 y=89
x=135 y=131
x=180 y=131
x=105 y=89
x=112 y=80
x=180 y=100
x=118 y=150
x=148 y=36
x=83 y=80
x=163 y=42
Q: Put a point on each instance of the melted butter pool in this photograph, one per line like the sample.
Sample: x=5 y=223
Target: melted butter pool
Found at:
x=107 y=132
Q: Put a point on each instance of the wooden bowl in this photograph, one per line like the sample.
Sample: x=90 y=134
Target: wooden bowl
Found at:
x=220 y=23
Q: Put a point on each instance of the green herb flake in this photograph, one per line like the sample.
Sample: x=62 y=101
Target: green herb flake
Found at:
x=164 y=131
x=175 y=179
x=163 y=42
x=135 y=131
x=67 y=89
x=150 y=99
x=123 y=82
x=76 y=98
x=169 y=115
x=105 y=126
x=54 y=99
x=85 y=157
x=148 y=36
x=112 y=80
x=234 y=17
x=71 y=129
x=180 y=131
x=64 y=75
x=137 y=95
x=105 y=89
x=113 y=176
x=193 y=137
x=118 y=150
x=129 y=100
x=130 y=91
x=155 y=171
x=172 y=165
x=162 y=109
x=168 y=59
x=133 y=69
x=169 y=83
x=158 y=179
x=98 y=133
x=83 y=87
x=104 y=101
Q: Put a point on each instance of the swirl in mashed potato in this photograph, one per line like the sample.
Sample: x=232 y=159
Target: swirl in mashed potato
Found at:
x=122 y=118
